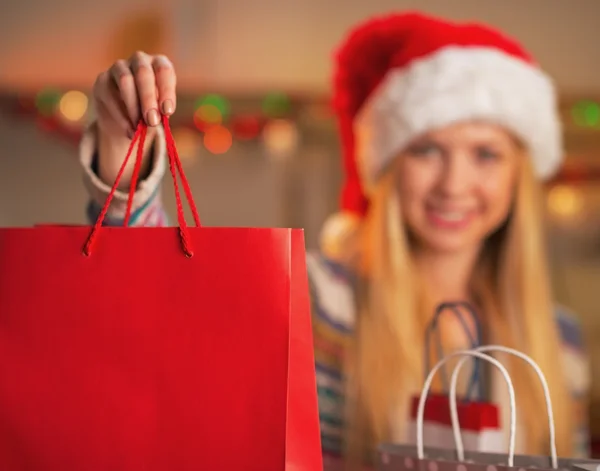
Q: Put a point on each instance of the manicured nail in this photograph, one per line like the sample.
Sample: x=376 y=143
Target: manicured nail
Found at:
x=167 y=107
x=152 y=117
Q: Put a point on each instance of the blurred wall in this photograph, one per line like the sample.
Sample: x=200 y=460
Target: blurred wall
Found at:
x=244 y=44
x=41 y=181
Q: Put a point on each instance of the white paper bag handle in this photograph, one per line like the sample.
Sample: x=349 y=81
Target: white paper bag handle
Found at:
x=454 y=411
x=427 y=387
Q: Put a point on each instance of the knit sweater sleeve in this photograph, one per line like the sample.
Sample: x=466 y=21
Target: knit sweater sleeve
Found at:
x=147 y=207
x=333 y=315
x=578 y=376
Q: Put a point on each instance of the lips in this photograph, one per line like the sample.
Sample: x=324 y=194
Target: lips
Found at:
x=450 y=219
x=452 y=216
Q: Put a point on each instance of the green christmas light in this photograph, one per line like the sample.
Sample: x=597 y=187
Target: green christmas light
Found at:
x=276 y=105
x=214 y=100
x=46 y=101
x=586 y=114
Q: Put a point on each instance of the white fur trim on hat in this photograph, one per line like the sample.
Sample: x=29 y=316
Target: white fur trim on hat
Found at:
x=459 y=84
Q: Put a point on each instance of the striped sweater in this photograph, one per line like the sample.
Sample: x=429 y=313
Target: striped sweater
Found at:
x=332 y=297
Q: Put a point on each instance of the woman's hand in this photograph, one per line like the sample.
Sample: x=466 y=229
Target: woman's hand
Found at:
x=141 y=87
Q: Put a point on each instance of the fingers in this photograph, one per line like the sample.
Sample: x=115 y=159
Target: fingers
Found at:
x=122 y=77
x=109 y=105
x=142 y=87
x=145 y=81
x=165 y=84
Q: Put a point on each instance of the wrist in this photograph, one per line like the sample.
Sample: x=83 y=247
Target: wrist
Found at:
x=112 y=150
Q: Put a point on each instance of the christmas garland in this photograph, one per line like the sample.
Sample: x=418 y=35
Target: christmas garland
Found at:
x=212 y=115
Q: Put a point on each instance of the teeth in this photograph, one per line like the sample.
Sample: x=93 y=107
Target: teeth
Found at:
x=452 y=216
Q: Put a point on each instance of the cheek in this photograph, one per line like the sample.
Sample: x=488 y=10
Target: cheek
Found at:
x=497 y=198
x=412 y=193
x=413 y=186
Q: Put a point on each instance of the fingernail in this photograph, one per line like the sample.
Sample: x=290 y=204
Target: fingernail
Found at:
x=167 y=107
x=152 y=117
x=130 y=133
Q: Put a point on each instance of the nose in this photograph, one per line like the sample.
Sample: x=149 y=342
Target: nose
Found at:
x=455 y=176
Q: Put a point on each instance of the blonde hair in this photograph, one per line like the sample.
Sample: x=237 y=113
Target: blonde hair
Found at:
x=385 y=362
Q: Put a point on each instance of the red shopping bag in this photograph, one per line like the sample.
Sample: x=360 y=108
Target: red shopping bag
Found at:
x=156 y=348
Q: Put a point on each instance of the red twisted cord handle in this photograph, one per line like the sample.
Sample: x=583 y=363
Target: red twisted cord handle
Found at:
x=174 y=166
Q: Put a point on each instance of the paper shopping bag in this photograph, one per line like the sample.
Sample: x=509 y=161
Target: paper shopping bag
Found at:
x=154 y=349
x=405 y=458
x=479 y=420
x=479 y=424
x=397 y=457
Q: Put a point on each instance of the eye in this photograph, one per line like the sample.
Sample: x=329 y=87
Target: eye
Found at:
x=425 y=149
x=485 y=154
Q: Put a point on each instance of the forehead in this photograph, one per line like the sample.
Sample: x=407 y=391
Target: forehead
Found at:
x=473 y=132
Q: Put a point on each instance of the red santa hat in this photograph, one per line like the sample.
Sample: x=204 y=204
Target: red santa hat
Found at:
x=401 y=75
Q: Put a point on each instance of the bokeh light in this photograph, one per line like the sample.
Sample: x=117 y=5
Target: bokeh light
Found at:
x=280 y=137
x=218 y=139
x=246 y=127
x=215 y=101
x=210 y=114
x=207 y=115
x=188 y=144
x=565 y=201
x=47 y=100
x=73 y=105
x=586 y=114
x=276 y=105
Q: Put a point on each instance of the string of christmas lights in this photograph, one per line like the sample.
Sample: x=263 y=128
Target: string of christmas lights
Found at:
x=212 y=123
x=209 y=121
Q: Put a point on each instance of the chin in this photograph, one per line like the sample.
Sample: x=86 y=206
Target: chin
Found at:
x=443 y=247
x=448 y=243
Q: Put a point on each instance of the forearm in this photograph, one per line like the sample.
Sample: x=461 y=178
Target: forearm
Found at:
x=112 y=151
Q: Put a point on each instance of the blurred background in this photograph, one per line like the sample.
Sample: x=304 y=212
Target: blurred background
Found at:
x=253 y=123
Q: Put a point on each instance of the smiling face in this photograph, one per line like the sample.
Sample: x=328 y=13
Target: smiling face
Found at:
x=456 y=185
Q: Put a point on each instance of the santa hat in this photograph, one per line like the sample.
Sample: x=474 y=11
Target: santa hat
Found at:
x=401 y=75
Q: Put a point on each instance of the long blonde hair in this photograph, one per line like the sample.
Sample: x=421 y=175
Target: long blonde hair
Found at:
x=385 y=361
